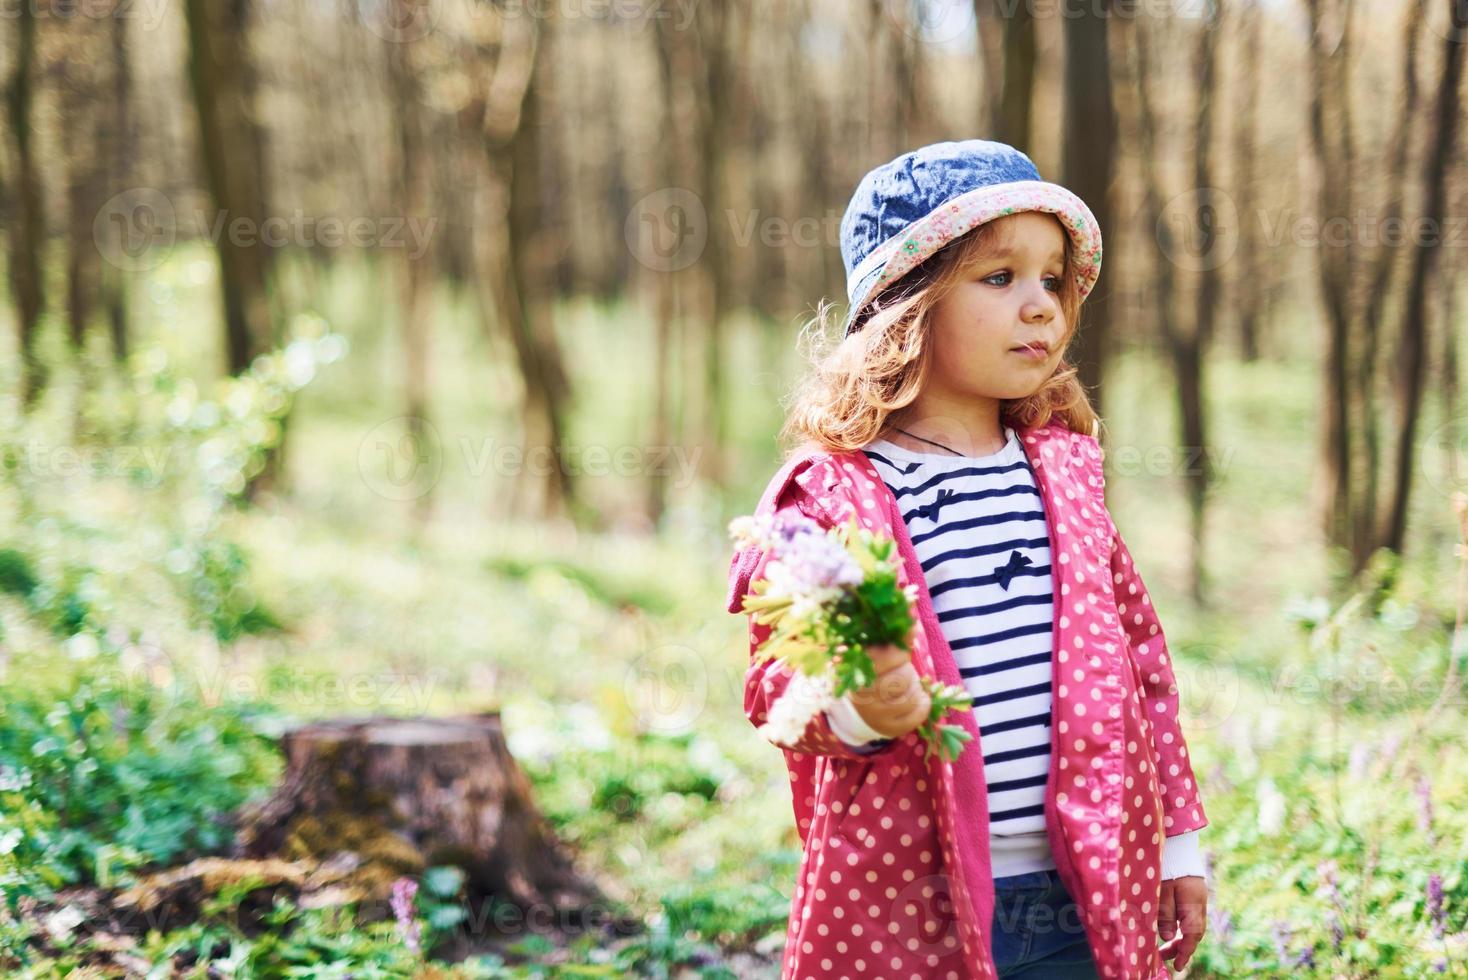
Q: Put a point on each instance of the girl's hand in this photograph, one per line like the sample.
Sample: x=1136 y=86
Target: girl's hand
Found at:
x=1184 y=903
x=895 y=703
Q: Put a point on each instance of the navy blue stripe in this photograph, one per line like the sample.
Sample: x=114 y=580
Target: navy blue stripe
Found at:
x=1016 y=692
x=979 y=670
x=1032 y=571
x=999 y=547
x=887 y=462
x=1005 y=785
x=969 y=642
x=1009 y=755
x=1029 y=629
x=1043 y=599
x=1010 y=724
x=954 y=474
x=1024 y=811
x=957 y=498
x=988 y=520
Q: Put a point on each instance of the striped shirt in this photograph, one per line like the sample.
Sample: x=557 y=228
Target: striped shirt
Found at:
x=978 y=527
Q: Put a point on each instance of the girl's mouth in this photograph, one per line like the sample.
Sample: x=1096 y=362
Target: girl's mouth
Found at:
x=1034 y=353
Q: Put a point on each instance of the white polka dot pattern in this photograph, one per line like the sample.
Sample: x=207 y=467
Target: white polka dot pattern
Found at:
x=895 y=879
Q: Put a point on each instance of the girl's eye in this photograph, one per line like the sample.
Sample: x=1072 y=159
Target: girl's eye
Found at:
x=1052 y=283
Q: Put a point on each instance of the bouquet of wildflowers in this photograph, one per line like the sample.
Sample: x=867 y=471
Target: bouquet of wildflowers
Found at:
x=828 y=596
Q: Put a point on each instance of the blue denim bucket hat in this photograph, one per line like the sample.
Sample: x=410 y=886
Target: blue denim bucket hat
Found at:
x=907 y=209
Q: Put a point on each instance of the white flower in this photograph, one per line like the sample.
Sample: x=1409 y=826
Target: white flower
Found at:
x=805 y=696
x=1271 y=807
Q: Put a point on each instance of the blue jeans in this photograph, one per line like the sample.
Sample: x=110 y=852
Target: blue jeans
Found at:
x=1038 y=933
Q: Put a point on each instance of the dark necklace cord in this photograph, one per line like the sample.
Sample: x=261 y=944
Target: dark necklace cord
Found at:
x=928 y=441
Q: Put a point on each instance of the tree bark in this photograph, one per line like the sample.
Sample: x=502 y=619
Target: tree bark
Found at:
x=1090 y=162
x=1248 y=288
x=1191 y=345
x=1331 y=151
x=1413 y=329
x=27 y=225
x=1385 y=265
x=514 y=256
x=415 y=271
x=412 y=793
x=230 y=149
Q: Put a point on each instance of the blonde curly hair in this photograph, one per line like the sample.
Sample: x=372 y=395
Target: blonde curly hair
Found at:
x=855 y=383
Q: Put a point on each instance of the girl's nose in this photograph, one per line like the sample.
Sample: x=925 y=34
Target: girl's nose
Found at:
x=1039 y=305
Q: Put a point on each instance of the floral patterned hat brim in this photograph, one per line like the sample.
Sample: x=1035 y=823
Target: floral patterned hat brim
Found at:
x=904 y=252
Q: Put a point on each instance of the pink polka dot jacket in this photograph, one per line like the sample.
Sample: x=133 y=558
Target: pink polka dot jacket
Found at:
x=895 y=878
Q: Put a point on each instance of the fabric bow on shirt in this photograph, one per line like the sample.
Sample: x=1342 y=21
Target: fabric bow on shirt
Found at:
x=1011 y=568
x=930 y=511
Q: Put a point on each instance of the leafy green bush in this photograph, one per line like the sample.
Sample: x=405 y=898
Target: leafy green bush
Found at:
x=103 y=772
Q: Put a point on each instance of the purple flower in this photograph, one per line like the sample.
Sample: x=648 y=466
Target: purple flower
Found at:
x=1282 y=934
x=403 y=891
x=1221 y=924
x=1435 y=910
x=1330 y=891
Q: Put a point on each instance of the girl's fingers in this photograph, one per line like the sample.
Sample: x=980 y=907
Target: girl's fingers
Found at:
x=888 y=657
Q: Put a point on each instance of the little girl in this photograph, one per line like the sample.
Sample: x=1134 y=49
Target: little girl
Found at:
x=1063 y=840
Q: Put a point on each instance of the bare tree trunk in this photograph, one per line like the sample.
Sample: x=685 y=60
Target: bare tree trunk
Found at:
x=1385 y=264
x=1191 y=345
x=415 y=272
x=1250 y=295
x=119 y=144
x=1331 y=151
x=1450 y=343
x=1413 y=330
x=84 y=179
x=1090 y=161
x=27 y=226
x=715 y=98
x=989 y=25
x=1020 y=53
x=517 y=264
x=229 y=146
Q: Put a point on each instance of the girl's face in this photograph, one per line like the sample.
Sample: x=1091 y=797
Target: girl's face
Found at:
x=1003 y=301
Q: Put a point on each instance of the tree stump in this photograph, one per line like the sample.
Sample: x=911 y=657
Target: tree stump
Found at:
x=410 y=793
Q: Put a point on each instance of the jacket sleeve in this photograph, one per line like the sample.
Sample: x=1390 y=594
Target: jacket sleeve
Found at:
x=767 y=682
x=1147 y=647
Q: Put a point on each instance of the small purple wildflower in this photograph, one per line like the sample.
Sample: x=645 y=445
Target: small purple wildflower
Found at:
x=1221 y=925
x=1435 y=910
x=403 y=891
x=1330 y=891
x=1282 y=935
